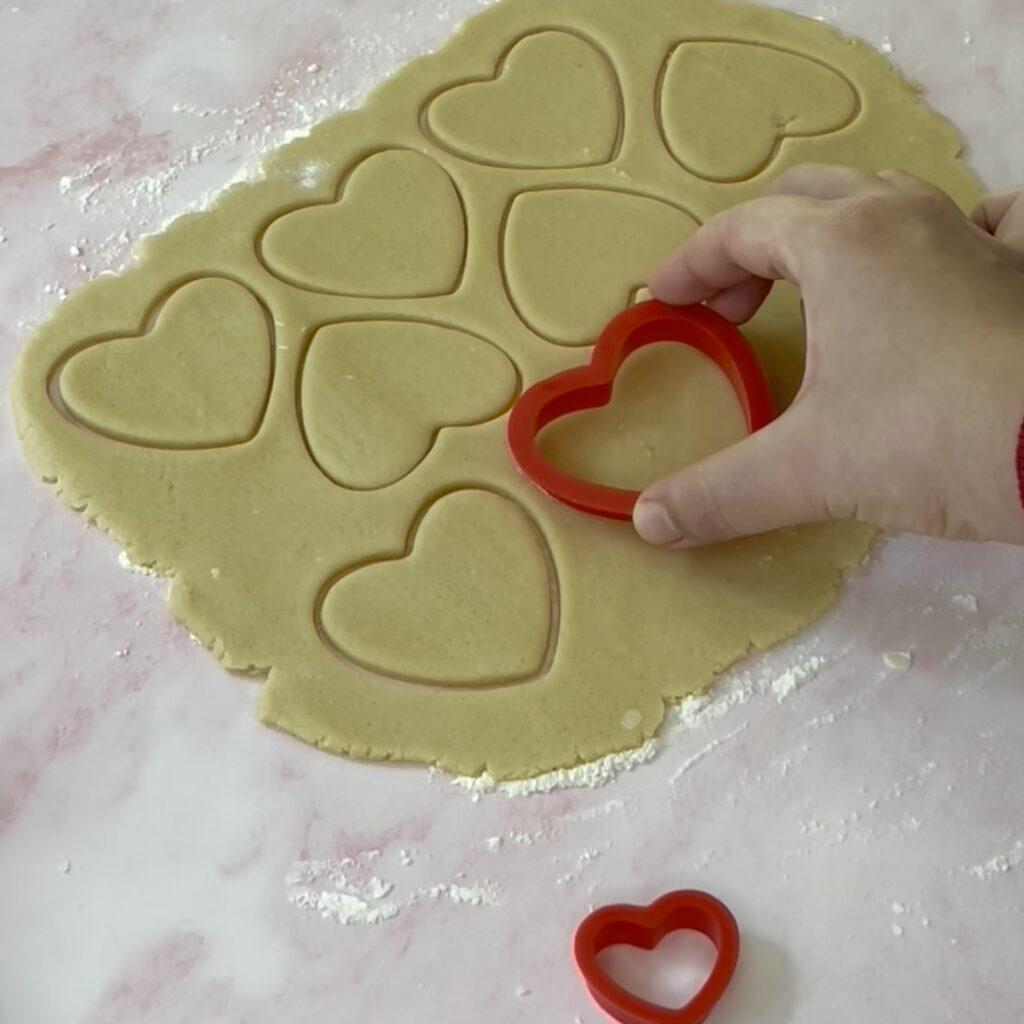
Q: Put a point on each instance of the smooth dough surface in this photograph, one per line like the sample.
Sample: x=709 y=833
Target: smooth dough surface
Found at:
x=671 y=406
x=294 y=404
x=375 y=393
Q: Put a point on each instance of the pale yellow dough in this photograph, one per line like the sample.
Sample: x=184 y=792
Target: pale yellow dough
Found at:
x=294 y=404
x=671 y=406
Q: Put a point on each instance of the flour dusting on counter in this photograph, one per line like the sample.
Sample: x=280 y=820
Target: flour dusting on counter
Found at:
x=343 y=892
x=793 y=678
x=124 y=560
x=154 y=193
x=1000 y=864
x=965 y=603
x=691 y=713
x=591 y=775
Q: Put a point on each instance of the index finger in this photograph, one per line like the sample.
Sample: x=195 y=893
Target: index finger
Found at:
x=760 y=238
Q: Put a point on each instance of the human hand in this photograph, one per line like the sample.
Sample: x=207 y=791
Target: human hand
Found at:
x=910 y=410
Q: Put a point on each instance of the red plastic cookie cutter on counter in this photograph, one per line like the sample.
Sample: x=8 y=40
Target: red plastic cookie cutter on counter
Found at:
x=645 y=927
x=590 y=386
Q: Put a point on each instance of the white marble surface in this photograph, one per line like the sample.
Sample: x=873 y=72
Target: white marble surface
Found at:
x=867 y=828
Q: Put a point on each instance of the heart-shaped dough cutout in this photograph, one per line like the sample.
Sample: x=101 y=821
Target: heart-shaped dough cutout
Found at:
x=396 y=230
x=470 y=603
x=573 y=257
x=374 y=394
x=671 y=406
x=197 y=377
x=725 y=107
x=553 y=102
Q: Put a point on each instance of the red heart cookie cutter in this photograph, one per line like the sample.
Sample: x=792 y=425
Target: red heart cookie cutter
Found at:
x=645 y=927
x=590 y=386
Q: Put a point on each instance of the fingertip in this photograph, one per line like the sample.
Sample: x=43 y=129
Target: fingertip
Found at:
x=665 y=281
x=653 y=521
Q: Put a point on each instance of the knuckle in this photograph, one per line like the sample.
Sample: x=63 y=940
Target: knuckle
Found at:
x=870 y=219
x=863 y=218
x=700 y=515
x=927 y=199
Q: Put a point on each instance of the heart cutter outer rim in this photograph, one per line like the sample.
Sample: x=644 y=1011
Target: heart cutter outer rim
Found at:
x=645 y=927
x=590 y=386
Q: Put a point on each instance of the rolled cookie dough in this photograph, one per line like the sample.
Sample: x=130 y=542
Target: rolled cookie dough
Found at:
x=293 y=404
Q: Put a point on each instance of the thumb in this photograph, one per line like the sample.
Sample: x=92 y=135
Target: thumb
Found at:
x=762 y=483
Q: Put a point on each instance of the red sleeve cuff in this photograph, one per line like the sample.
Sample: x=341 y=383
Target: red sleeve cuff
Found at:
x=1020 y=464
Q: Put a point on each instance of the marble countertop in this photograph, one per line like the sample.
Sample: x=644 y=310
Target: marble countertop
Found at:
x=164 y=858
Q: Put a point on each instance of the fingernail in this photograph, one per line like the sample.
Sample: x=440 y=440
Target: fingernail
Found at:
x=654 y=524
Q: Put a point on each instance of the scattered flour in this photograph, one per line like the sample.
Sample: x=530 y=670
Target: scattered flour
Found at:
x=591 y=775
x=348 y=909
x=334 y=890
x=583 y=858
x=1000 y=864
x=965 y=603
x=695 y=712
x=125 y=562
x=1000 y=636
x=310 y=174
x=324 y=886
x=597 y=811
x=631 y=719
x=793 y=678
x=485 y=895
x=703 y=752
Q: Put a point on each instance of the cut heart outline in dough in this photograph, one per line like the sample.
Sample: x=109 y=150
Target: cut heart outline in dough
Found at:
x=396 y=228
x=375 y=394
x=572 y=257
x=725 y=106
x=554 y=101
x=470 y=603
x=195 y=375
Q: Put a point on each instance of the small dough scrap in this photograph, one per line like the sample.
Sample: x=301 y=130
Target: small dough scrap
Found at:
x=671 y=406
x=396 y=229
x=470 y=603
x=573 y=257
x=197 y=378
x=376 y=393
x=554 y=102
x=726 y=106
